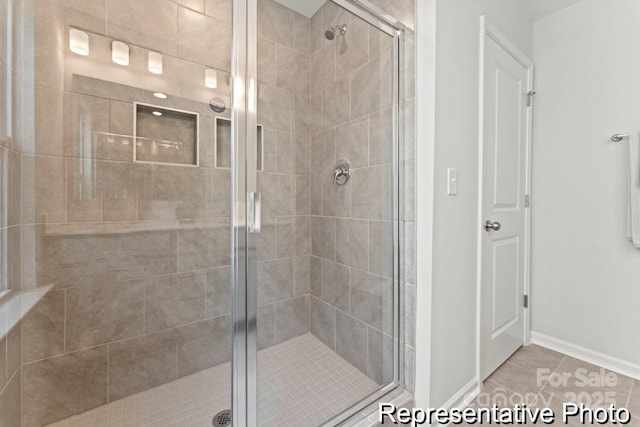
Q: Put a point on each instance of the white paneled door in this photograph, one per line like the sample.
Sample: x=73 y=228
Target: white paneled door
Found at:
x=504 y=220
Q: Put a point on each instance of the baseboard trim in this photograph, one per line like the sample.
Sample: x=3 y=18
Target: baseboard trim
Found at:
x=464 y=396
x=608 y=362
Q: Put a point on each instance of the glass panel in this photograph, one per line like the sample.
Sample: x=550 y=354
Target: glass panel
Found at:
x=126 y=216
x=326 y=251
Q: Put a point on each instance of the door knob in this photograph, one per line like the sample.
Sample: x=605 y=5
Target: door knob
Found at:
x=489 y=225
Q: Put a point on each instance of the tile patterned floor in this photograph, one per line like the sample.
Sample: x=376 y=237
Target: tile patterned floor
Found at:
x=543 y=378
x=300 y=383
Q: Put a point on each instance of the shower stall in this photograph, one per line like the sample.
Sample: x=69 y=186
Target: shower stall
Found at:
x=207 y=211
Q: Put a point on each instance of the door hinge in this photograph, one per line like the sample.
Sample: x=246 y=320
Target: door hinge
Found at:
x=526 y=301
x=530 y=96
x=527 y=201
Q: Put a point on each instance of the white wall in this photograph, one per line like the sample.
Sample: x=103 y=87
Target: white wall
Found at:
x=453 y=342
x=586 y=275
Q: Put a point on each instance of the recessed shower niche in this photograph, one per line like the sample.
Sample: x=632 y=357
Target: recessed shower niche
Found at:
x=164 y=135
x=223 y=144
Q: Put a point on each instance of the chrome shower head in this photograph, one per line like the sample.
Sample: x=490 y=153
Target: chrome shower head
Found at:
x=330 y=34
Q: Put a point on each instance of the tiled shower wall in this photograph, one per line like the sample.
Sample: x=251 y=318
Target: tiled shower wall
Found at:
x=352 y=234
x=137 y=256
x=11 y=146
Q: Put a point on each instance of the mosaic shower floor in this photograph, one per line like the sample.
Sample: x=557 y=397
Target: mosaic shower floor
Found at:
x=300 y=383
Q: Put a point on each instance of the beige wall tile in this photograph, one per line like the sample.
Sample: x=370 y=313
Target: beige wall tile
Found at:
x=275 y=107
x=371 y=86
x=381 y=137
x=302 y=118
x=203 y=244
x=351 y=340
x=352 y=142
x=302 y=235
x=323 y=322
x=323 y=153
x=174 y=300
x=381 y=248
x=284 y=153
x=218 y=292
x=219 y=9
x=323 y=67
x=336 y=199
x=197 y=5
x=49 y=122
x=270 y=12
x=372 y=300
x=292 y=318
x=293 y=70
x=203 y=345
x=352 y=243
x=302 y=33
x=336 y=285
x=43 y=327
x=3 y=349
x=323 y=237
x=369 y=200
x=267 y=61
x=336 y=98
x=62 y=386
x=11 y=402
x=316 y=277
x=379 y=356
x=148 y=23
x=285 y=237
x=200 y=35
x=266 y=326
x=98 y=315
x=105 y=258
x=301 y=275
x=302 y=195
x=277 y=194
x=275 y=280
x=90 y=15
x=44 y=189
x=141 y=363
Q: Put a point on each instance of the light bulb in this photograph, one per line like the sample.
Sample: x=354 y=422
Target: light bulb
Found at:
x=120 y=53
x=160 y=95
x=157 y=113
x=155 y=63
x=210 y=78
x=78 y=42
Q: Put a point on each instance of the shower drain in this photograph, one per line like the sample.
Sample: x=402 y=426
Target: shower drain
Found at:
x=222 y=419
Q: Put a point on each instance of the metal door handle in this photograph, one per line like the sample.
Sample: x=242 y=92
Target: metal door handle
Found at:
x=254 y=214
x=489 y=225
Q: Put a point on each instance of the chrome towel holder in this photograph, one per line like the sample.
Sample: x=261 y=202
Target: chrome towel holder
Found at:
x=619 y=137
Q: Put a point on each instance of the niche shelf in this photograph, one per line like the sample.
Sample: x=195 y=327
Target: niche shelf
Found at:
x=164 y=135
x=223 y=144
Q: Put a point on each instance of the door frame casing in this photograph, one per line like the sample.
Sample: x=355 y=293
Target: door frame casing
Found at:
x=490 y=32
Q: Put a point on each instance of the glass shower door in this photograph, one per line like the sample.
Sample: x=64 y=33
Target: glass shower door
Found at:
x=126 y=151
x=327 y=273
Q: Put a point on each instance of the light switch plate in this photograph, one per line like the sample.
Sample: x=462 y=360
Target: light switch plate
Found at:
x=452 y=182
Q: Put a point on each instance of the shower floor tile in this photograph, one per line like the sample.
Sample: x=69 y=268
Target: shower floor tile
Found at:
x=300 y=383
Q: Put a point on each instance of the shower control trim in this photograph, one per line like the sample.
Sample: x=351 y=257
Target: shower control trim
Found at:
x=342 y=172
x=254 y=214
x=492 y=226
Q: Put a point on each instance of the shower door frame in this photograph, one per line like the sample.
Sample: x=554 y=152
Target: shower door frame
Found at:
x=245 y=205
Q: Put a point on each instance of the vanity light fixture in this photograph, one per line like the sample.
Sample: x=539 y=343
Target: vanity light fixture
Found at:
x=210 y=78
x=157 y=113
x=160 y=95
x=120 y=53
x=155 y=63
x=78 y=42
